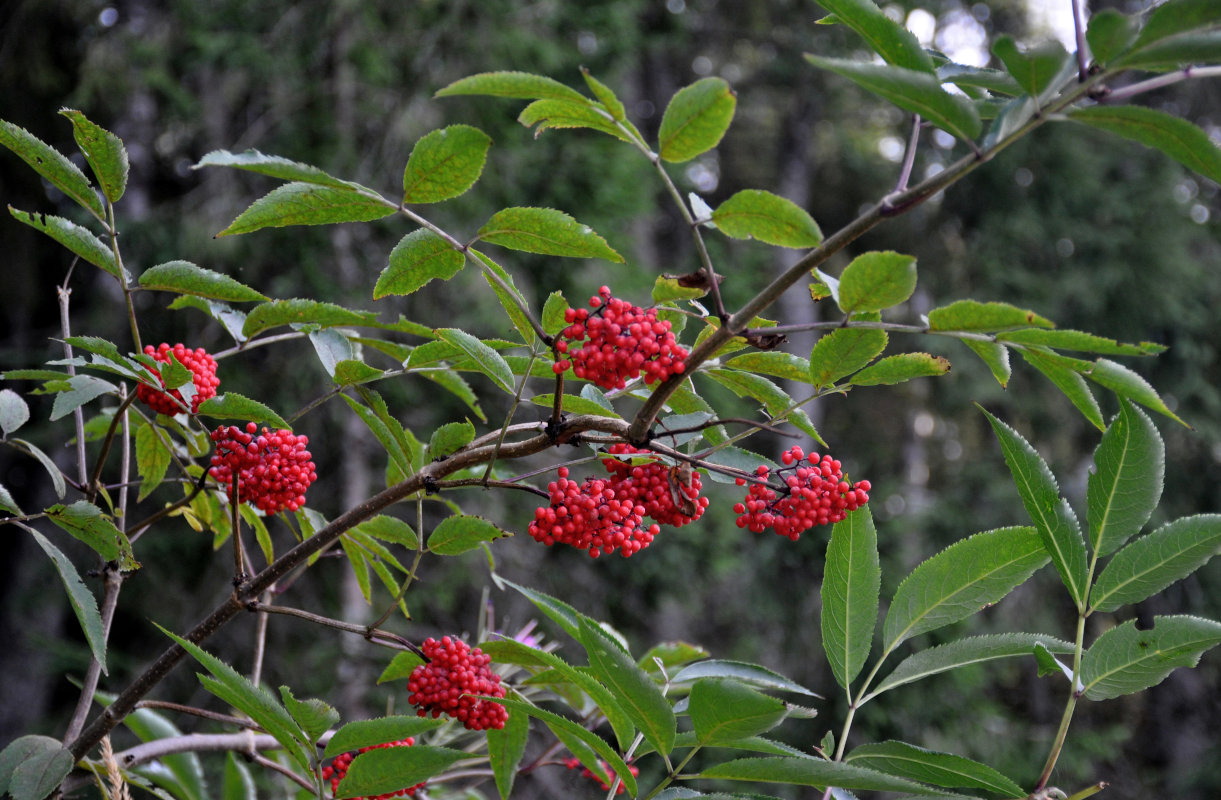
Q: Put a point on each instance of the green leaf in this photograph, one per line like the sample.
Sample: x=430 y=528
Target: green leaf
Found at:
x=400 y=668
x=387 y=770
x=755 y=214
x=1034 y=69
x=372 y=732
x=487 y=360
x=1125 y=660
x=508 y=651
x=553 y=313
x=1177 y=16
x=995 y=356
x=961 y=580
x=84 y=605
x=927 y=766
x=575 y=404
x=889 y=39
x=506 y=746
x=725 y=710
x=695 y=119
x=31 y=767
x=971 y=315
x=1059 y=370
x=13 y=411
x=1174 y=52
x=454 y=383
x=773 y=362
x=313 y=716
x=418 y=258
x=520 y=85
x=52 y=165
x=994 y=80
x=1053 y=517
x=1077 y=340
x=1176 y=137
x=8 y=504
x=80 y=389
x=963 y=652
x=640 y=698
x=300 y=203
x=388 y=430
x=736 y=458
x=449 y=438
x=1151 y=563
x=227 y=316
x=852 y=580
x=296 y=311
x=237 y=783
x=232 y=405
x=751 y=674
x=809 y=771
x=570 y=730
x=560 y=612
x=445 y=164
x=511 y=299
x=900 y=368
x=843 y=351
x=57 y=477
x=80 y=241
x=1126 y=484
x=1126 y=383
x=275 y=167
x=86 y=522
x=1109 y=34
x=916 y=92
x=460 y=533
x=186 y=278
x=104 y=151
x=350 y=372
x=152 y=459
x=545 y=231
x=551 y=113
x=606 y=96
x=876 y=281
x=254 y=701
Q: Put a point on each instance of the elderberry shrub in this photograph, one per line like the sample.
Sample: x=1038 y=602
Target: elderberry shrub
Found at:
x=449 y=682
x=814 y=493
x=273 y=468
x=338 y=770
x=620 y=342
x=203 y=375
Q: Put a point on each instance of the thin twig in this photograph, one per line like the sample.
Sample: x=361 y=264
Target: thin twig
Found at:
x=372 y=634
x=64 y=294
x=203 y=713
x=483 y=483
x=107 y=442
x=504 y=429
x=1161 y=81
x=112 y=582
x=260 y=640
x=1083 y=69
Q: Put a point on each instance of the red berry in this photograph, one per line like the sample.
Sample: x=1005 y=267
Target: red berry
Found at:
x=620 y=341
x=273 y=469
x=203 y=375
x=446 y=682
x=338 y=770
x=814 y=495
x=669 y=494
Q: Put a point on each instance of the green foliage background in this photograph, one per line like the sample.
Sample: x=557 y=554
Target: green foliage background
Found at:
x=1091 y=232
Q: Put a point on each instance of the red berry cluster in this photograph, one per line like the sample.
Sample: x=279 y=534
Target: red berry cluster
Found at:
x=621 y=341
x=338 y=770
x=453 y=673
x=573 y=763
x=273 y=469
x=594 y=516
x=203 y=370
x=669 y=494
x=816 y=494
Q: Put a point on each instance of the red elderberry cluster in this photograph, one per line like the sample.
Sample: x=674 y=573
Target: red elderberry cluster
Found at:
x=203 y=371
x=273 y=468
x=620 y=341
x=669 y=494
x=815 y=493
x=338 y=770
x=597 y=515
x=445 y=684
x=573 y=763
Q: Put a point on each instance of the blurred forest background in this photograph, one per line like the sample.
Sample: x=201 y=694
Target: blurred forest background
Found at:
x=1094 y=233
